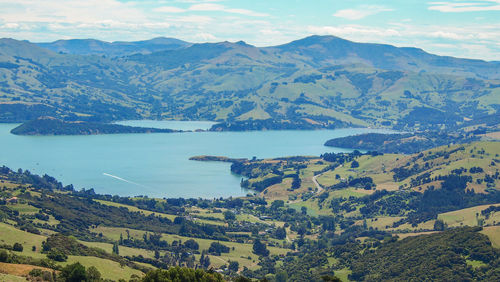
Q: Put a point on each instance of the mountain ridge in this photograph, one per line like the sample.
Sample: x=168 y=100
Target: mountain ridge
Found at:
x=323 y=81
x=116 y=48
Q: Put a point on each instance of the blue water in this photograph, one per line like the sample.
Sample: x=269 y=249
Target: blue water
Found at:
x=157 y=165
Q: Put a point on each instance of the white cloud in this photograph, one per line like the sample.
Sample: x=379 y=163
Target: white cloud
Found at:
x=207 y=7
x=193 y=19
x=211 y=7
x=449 y=35
x=268 y=31
x=353 y=30
x=10 y=25
x=460 y=7
x=72 y=11
x=204 y=36
x=361 y=12
x=169 y=9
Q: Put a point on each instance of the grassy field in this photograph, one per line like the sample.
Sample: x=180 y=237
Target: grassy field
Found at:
x=170 y=216
x=342 y=274
x=113 y=233
x=136 y=209
x=240 y=253
x=124 y=251
x=112 y=270
x=475 y=263
x=109 y=269
x=18 y=269
x=375 y=167
x=493 y=232
x=412 y=234
x=379 y=167
x=10 y=235
x=427 y=225
x=11 y=278
x=24 y=208
x=467 y=217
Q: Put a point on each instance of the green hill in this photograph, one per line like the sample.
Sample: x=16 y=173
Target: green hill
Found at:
x=316 y=82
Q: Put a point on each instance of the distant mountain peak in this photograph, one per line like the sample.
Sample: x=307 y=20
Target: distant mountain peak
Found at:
x=116 y=48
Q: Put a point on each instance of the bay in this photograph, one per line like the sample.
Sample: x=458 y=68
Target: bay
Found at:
x=158 y=165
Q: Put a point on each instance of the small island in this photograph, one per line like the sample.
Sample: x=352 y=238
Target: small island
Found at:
x=216 y=159
x=53 y=126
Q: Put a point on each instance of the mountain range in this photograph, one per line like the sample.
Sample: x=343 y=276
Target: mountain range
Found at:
x=315 y=82
x=113 y=49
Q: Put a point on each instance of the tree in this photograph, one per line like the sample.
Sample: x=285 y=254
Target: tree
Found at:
x=182 y=274
x=218 y=248
x=303 y=210
x=93 y=275
x=354 y=164
x=229 y=215
x=328 y=278
x=234 y=266
x=244 y=279
x=57 y=255
x=280 y=233
x=74 y=273
x=277 y=204
x=115 y=248
x=204 y=260
x=4 y=256
x=281 y=276
x=296 y=182
x=439 y=225
x=17 y=247
x=192 y=244
x=260 y=248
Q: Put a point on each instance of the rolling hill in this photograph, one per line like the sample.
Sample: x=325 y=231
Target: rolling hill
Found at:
x=315 y=82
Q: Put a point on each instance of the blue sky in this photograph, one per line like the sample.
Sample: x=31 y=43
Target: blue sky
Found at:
x=462 y=28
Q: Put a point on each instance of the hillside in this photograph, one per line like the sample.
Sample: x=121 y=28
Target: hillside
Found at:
x=407 y=143
x=316 y=82
x=302 y=222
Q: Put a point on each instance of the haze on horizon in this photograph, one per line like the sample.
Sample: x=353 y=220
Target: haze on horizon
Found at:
x=468 y=29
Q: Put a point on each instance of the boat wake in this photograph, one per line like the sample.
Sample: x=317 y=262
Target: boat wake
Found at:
x=124 y=180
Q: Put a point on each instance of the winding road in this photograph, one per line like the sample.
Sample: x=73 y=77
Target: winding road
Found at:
x=318 y=186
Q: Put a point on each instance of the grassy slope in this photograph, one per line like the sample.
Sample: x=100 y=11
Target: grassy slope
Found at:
x=213 y=87
x=493 y=233
x=135 y=209
x=109 y=269
x=240 y=253
x=468 y=217
x=11 y=278
x=379 y=168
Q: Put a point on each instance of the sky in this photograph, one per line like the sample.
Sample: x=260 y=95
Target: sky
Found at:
x=460 y=28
